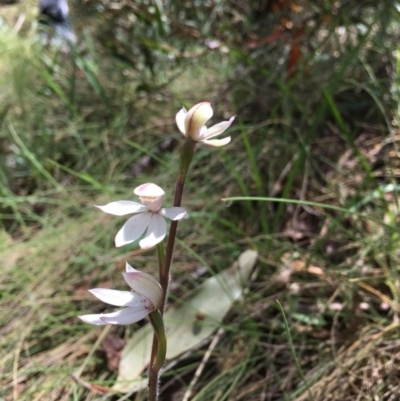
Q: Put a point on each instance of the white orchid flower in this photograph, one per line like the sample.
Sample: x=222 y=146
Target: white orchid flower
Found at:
x=192 y=124
x=144 y=298
x=148 y=216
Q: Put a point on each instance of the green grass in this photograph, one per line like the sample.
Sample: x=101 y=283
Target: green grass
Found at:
x=311 y=177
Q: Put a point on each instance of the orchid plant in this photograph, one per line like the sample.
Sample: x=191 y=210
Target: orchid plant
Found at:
x=148 y=295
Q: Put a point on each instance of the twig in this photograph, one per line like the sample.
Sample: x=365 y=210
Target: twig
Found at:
x=202 y=365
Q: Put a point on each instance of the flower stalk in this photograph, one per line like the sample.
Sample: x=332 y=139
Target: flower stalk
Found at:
x=159 y=346
x=191 y=124
x=186 y=158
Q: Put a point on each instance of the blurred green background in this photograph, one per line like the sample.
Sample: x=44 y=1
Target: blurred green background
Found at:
x=314 y=152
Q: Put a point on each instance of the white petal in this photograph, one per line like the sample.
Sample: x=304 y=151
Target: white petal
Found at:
x=120 y=208
x=202 y=131
x=216 y=129
x=149 y=189
x=125 y=316
x=92 y=319
x=129 y=268
x=133 y=229
x=118 y=298
x=216 y=143
x=145 y=285
x=156 y=231
x=173 y=213
x=180 y=120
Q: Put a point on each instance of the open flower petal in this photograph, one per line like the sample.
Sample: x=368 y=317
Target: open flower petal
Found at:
x=125 y=316
x=130 y=269
x=92 y=319
x=147 y=286
x=196 y=118
x=216 y=143
x=216 y=129
x=118 y=298
x=156 y=232
x=180 y=119
x=173 y=213
x=133 y=229
x=121 y=208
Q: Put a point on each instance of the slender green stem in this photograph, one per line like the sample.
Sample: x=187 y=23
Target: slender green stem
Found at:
x=159 y=346
x=160 y=255
x=153 y=372
x=158 y=326
x=158 y=353
x=184 y=164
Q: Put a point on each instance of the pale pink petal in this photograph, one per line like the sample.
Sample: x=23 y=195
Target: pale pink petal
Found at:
x=118 y=298
x=145 y=285
x=216 y=143
x=149 y=189
x=156 y=231
x=150 y=195
x=120 y=208
x=125 y=316
x=196 y=118
x=180 y=120
x=133 y=229
x=92 y=319
x=173 y=213
x=216 y=129
x=136 y=279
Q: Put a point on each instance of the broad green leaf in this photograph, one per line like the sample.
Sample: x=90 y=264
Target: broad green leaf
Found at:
x=188 y=323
